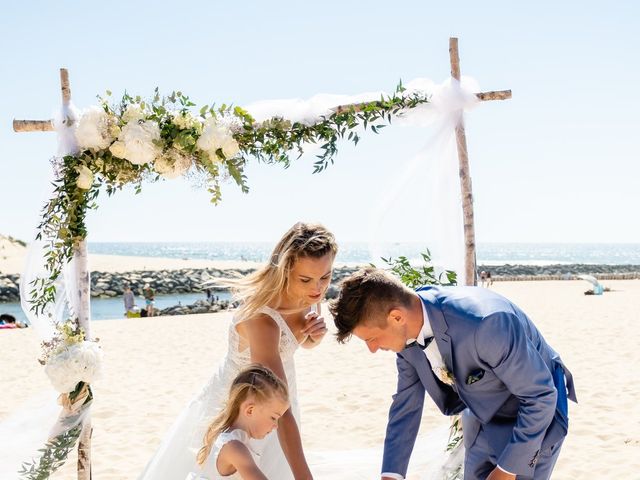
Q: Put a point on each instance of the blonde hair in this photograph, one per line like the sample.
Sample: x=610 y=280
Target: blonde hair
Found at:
x=264 y=286
x=255 y=380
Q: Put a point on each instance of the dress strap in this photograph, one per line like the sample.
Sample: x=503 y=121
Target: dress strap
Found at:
x=277 y=317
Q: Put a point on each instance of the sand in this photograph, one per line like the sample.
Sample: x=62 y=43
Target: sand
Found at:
x=154 y=365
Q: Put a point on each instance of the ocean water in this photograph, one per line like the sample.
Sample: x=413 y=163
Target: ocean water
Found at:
x=350 y=252
x=113 y=308
x=359 y=252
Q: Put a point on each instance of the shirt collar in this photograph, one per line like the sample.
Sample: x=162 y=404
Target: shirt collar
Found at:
x=426 y=331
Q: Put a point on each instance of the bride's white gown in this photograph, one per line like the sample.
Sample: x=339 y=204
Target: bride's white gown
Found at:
x=175 y=458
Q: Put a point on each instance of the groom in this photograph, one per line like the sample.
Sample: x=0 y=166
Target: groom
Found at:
x=472 y=351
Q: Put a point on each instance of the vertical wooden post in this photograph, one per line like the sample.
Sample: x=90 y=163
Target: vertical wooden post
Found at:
x=80 y=259
x=83 y=285
x=465 y=179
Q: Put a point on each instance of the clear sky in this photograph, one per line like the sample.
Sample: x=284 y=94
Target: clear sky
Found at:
x=557 y=163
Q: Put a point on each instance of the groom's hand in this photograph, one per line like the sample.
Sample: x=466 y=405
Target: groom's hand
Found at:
x=498 y=474
x=315 y=327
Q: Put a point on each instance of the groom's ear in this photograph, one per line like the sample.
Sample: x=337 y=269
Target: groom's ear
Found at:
x=396 y=317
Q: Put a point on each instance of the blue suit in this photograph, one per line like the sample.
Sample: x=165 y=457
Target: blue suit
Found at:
x=508 y=381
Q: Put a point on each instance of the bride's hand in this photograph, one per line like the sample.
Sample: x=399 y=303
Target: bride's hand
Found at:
x=315 y=327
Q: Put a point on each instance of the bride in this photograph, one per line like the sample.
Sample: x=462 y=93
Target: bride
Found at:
x=277 y=314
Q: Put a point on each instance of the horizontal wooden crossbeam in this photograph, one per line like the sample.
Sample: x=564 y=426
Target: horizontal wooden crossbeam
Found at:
x=47 y=125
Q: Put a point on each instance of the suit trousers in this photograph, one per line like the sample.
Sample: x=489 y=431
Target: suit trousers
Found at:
x=481 y=459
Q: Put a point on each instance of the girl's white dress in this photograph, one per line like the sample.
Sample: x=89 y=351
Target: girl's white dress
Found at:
x=221 y=441
x=176 y=456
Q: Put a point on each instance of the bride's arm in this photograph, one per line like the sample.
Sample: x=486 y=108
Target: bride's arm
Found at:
x=264 y=340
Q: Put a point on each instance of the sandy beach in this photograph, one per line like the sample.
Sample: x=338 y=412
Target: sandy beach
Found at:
x=153 y=366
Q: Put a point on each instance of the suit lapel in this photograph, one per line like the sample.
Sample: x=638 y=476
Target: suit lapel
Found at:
x=438 y=326
x=416 y=357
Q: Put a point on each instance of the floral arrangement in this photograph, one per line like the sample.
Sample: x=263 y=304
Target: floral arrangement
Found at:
x=136 y=140
x=69 y=359
x=71 y=363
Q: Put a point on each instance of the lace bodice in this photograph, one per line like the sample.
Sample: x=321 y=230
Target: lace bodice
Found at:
x=239 y=356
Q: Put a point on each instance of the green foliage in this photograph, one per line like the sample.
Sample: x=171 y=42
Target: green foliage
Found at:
x=55 y=452
x=414 y=277
x=54 y=455
x=272 y=141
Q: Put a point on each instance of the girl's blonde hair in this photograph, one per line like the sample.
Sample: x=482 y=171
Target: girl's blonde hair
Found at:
x=257 y=381
x=264 y=286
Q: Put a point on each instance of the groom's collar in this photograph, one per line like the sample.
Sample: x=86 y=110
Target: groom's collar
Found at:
x=425 y=331
x=431 y=306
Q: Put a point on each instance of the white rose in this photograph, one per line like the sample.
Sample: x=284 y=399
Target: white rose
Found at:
x=81 y=362
x=183 y=121
x=134 y=112
x=85 y=177
x=94 y=129
x=117 y=149
x=172 y=165
x=138 y=141
x=230 y=148
x=215 y=136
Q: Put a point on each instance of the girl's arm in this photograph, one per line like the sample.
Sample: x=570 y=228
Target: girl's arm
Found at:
x=264 y=340
x=238 y=455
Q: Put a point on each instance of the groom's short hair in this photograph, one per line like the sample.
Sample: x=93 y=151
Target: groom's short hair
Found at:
x=367 y=296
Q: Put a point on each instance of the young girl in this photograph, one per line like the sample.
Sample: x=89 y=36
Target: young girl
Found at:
x=257 y=400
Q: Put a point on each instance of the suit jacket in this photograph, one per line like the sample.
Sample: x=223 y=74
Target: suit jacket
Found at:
x=505 y=374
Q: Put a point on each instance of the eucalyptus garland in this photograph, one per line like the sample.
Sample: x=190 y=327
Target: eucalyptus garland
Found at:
x=135 y=140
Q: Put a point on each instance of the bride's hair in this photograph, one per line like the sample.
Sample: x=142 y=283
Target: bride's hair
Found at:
x=257 y=381
x=265 y=286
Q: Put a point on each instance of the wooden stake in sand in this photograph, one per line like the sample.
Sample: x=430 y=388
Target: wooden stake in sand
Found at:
x=82 y=276
x=465 y=176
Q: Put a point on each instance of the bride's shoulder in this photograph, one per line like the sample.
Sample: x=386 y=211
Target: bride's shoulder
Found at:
x=262 y=321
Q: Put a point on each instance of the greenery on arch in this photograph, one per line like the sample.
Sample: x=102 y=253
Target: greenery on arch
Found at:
x=137 y=140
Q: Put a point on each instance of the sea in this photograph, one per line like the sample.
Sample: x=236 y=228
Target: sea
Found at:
x=350 y=252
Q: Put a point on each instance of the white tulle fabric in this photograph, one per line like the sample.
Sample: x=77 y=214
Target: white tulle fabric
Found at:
x=432 y=173
x=176 y=456
x=29 y=427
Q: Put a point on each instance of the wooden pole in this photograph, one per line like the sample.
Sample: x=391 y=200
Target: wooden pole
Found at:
x=465 y=179
x=83 y=284
x=81 y=265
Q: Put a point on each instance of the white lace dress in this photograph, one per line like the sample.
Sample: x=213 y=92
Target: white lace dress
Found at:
x=176 y=456
x=224 y=438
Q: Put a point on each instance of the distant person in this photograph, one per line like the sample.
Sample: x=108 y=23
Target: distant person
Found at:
x=9 y=321
x=209 y=295
x=489 y=279
x=129 y=300
x=483 y=278
x=149 y=299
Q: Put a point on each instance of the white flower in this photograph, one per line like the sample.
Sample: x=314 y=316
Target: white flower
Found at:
x=173 y=164
x=117 y=149
x=215 y=136
x=85 y=177
x=81 y=362
x=94 y=129
x=133 y=113
x=138 y=141
x=183 y=121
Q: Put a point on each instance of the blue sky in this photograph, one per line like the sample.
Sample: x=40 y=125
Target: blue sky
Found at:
x=557 y=163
